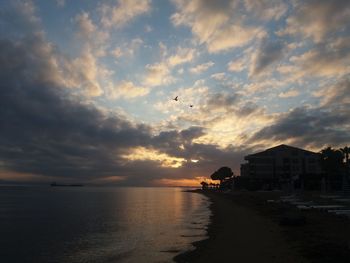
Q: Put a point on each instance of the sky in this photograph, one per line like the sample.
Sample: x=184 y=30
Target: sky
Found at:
x=87 y=87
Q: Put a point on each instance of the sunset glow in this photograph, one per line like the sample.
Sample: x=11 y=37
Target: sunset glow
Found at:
x=144 y=154
x=150 y=90
x=195 y=182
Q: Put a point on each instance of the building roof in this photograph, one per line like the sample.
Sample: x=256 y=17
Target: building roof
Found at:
x=278 y=148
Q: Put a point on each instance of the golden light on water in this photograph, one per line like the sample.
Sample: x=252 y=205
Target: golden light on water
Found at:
x=144 y=154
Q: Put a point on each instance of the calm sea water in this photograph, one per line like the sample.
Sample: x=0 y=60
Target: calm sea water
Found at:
x=83 y=224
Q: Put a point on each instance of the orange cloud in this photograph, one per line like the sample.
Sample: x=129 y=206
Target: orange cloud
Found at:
x=184 y=182
x=165 y=160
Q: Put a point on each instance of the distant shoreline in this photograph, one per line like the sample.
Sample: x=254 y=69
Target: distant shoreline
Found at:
x=243 y=228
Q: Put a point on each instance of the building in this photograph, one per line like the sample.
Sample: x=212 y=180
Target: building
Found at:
x=281 y=165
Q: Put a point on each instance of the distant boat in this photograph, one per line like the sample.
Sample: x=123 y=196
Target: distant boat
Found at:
x=56 y=184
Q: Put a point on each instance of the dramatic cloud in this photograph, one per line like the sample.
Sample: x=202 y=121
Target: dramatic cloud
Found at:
x=233 y=36
x=266 y=55
x=46 y=132
x=226 y=115
x=338 y=94
x=213 y=23
x=87 y=89
x=318 y=18
x=313 y=126
x=324 y=60
x=142 y=153
x=126 y=10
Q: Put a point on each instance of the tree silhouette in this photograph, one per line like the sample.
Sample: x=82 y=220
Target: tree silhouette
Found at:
x=222 y=174
x=331 y=159
x=332 y=163
x=204 y=185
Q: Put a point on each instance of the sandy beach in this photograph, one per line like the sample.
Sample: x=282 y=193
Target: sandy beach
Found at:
x=244 y=228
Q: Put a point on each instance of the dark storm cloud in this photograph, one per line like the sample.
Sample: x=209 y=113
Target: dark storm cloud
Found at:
x=46 y=131
x=318 y=126
x=174 y=138
x=267 y=54
x=337 y=95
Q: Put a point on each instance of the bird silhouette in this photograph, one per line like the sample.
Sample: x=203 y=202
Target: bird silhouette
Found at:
x=176 y=98
x=191 y=106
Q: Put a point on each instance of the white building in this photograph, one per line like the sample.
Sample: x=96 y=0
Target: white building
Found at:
x=281 y=164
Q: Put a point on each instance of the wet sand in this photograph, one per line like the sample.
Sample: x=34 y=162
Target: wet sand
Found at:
x=244 y=228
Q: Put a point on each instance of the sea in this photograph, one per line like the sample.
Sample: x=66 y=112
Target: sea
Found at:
x=99 y=224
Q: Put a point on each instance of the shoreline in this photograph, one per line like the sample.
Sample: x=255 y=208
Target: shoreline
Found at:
x=200 y=245
x=243 y=228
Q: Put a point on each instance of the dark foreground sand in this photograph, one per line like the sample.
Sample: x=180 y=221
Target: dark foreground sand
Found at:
x=245 y=229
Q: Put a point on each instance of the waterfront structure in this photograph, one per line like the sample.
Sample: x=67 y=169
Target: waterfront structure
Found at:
x=281 y=165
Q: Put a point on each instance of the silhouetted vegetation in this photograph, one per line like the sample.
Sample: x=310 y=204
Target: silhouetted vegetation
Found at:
x=225 y=176
x=334 y=167
x=204 y=185
x=222 y=174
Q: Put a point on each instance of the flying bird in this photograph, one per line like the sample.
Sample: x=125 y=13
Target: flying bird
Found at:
x=176 y=98
x=191 y=106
